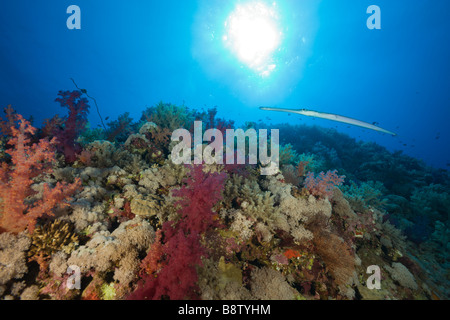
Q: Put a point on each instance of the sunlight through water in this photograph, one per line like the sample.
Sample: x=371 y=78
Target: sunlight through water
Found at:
x=252 y=33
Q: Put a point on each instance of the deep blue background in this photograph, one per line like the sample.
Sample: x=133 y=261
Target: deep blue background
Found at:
x=132 y=54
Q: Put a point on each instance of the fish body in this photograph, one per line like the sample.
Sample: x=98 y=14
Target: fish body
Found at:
x=331 y=116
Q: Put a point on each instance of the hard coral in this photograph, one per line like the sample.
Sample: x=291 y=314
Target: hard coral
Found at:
x=402 y=275
x=152 y=142
x=117 y=251
x=212 y=122
x=12 y=257
x=52 y=237
x=169 y=116
x=28 y=161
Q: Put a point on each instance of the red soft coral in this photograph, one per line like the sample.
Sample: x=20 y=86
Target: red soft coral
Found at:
x=152 y=263
x=322 y=186
x=27 y=162
x=201 y=192
x=183 y=250
x=74 y=122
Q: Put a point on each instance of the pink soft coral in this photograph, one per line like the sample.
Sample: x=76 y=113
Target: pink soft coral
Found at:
x=27 y=162
x=182 y=250
x=322 y=186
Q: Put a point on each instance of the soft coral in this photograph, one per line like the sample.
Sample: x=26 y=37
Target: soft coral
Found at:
x=74 y=122
x=323 y=184
x=27 y=162
x=183 y=249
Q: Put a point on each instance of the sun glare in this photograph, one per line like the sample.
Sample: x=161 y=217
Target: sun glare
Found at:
x=252 y=34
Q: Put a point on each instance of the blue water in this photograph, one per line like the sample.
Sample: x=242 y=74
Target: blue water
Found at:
x=133 y=54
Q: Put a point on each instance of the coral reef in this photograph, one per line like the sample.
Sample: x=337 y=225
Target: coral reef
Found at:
x=323 y=185
x=368 y=193
x=182 y=247
x=12 y=259
x=401 y=274
x=135 y=225
x=28 y=162
x=51 y=238
x=169 y=116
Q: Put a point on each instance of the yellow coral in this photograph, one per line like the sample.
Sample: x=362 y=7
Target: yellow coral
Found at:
x=228 y=273
x=53 y=237
x=141 y=207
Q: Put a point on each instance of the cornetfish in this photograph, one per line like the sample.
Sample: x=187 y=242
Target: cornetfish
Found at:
x=330 y=116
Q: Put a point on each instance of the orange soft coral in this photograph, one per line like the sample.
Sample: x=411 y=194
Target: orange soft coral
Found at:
x=27 y=162
x=5 y=125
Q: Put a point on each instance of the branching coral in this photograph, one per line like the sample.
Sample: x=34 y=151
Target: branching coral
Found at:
x=28 y=162
x=246 y=194
x=294 y=212
x=366 y=194
x=212 y=122
x=103 y=154
x=9 y=122
x=164 y=177
x=257 y=204
x=310 y=162
x=74 y=123
x=152 y=263
x=265 y=238
x=432 y=201
x=288 y=155
x=291 y=175
x=50 y=238
x=152 y=142
x=120 y=129
x=323 y=185
x=306 y=163
x=182 y=247
x=169 y=116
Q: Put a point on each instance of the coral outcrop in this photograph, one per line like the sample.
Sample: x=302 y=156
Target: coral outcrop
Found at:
x=110 y=207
